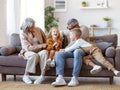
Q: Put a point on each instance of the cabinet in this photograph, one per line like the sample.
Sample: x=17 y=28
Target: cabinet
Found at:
x=92 y=29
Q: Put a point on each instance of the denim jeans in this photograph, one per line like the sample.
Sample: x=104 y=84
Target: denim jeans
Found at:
x=61 y=56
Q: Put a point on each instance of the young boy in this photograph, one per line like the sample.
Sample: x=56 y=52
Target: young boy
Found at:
x=92 y=50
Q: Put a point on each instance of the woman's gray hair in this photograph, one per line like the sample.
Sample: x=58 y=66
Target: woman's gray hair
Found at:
x=28 y=22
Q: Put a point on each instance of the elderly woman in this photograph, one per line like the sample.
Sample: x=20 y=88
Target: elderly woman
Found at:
x=33 y=42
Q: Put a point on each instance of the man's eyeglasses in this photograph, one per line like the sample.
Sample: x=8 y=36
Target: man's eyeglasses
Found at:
x=71 y=27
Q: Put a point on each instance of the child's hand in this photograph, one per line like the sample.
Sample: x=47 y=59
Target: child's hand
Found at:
x=55 y=44
x=62 y=50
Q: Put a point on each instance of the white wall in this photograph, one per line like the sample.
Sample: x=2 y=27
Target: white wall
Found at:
x=88 y=17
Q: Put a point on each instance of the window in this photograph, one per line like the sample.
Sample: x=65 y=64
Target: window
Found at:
x=60 y=5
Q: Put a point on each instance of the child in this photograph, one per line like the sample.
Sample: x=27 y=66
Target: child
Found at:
x=92 y=50
x=54 y=43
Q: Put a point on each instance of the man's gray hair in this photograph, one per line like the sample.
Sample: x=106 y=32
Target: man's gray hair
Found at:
x=28 y=22
x=73 y=22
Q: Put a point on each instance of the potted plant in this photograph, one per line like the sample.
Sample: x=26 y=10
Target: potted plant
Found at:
x=84 y=4
x=106 y=18
x=107 y=21
x=50 y=20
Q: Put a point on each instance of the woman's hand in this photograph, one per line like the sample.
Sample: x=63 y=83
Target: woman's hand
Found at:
x=44 y=46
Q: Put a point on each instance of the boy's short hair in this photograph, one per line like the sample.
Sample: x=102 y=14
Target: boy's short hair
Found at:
x=77 y=32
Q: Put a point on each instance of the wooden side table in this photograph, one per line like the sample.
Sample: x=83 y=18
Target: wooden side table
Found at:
x=95 y=28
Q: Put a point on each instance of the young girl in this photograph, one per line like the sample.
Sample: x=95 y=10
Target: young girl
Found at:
x=54 y=43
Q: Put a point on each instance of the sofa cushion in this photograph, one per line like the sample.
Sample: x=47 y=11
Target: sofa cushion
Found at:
x=15 y=40
x=85 y=32
x=110 y=52
x=7 y=50
x=107 y=38
x=12 y=61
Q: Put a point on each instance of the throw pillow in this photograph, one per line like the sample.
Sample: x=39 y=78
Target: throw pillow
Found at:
x=103 y=45
x=15 y=41
x=110 y=52
x=7 y=50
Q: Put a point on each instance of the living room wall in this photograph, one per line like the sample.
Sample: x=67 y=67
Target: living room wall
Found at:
x=90 y=16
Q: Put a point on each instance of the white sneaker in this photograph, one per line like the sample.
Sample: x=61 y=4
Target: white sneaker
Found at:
x=59 y=82
x=74 y=82
x=96 y=69
x=26 y=79
x=39 y=80
x=52 y=64
x=48 y=62
x=117 y=73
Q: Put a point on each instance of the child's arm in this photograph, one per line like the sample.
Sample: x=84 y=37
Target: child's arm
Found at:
x=58 y=45
x=76 y=45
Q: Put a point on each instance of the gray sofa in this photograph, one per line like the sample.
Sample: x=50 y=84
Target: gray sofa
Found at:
x=12 y=64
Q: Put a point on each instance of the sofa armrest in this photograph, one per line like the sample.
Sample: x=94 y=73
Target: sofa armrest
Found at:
x=7 y=50
x=117 y=58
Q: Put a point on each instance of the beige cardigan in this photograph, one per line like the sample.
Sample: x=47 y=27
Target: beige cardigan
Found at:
x=27 y=41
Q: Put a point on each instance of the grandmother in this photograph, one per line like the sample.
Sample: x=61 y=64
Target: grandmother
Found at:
x=33 y=42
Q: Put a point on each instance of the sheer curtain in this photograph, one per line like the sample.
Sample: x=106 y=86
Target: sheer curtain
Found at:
x=18 y=10
x=13 y=16
x=33 y=9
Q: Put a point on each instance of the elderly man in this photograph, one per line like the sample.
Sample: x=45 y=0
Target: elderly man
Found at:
x=61 y=56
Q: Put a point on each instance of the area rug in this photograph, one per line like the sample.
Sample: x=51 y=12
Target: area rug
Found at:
x=85 y=84
x=12 y=85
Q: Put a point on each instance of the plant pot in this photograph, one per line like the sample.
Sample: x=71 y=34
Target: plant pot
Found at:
x=107 y=23
x=84 y=5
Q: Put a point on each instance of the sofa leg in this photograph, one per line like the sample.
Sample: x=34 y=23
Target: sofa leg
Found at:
x=14 y=77
x=111 y=80
x=3 y=77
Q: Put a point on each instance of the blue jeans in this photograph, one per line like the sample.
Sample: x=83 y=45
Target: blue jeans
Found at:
x=61 y=56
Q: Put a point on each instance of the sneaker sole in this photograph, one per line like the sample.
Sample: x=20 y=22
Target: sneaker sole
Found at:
x=96 y=71
x=58 y=85
x=118 y=75
x=73 y=85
